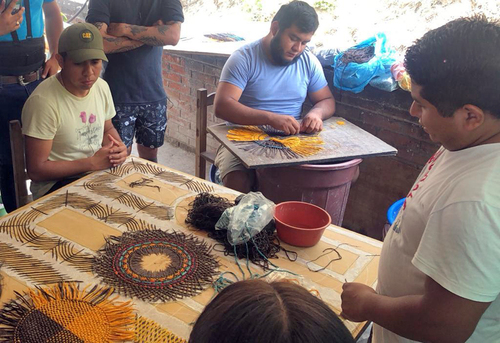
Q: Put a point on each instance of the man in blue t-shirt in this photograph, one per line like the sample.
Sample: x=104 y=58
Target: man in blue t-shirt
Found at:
x=266 y=83
x=22 y=68
x=134 y=34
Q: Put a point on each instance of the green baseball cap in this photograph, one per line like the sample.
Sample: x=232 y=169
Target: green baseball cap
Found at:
x=82 y=42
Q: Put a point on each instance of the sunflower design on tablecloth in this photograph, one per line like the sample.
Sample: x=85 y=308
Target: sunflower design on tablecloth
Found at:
x=267 y=141
x=64 y=313
x=155 y=265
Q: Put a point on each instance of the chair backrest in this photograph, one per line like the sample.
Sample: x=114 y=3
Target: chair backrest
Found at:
x=19 y=163
x=203 y=100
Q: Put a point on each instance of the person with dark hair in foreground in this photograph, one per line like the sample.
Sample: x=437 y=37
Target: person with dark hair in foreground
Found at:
x=255 y=311
x=266 y=83
x=439 y=276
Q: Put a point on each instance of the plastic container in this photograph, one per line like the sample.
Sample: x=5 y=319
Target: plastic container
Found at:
x=300 y=223
x=324 y=185
x=214 y=175
x=393 y=210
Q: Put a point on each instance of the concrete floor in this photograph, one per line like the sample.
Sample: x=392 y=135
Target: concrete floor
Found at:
x=173 y=157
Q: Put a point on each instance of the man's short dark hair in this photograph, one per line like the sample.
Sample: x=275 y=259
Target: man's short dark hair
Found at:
x=298 y=13
x=458 y=64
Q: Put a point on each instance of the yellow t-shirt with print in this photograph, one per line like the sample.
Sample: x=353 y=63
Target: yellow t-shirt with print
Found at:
x=74 y=124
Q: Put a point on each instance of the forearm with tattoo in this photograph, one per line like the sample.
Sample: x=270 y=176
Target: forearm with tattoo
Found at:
x=152 y=40
x=113 y=44
x=99 y=25
x=157 y=35
x=135 y=29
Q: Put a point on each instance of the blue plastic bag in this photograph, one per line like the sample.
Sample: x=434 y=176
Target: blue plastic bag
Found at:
x=355 y=76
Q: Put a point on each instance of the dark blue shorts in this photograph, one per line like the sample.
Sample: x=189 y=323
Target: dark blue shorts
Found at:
x=147 y=122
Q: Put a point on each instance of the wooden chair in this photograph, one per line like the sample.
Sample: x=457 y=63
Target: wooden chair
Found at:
x=203 y=100
x=19 y=163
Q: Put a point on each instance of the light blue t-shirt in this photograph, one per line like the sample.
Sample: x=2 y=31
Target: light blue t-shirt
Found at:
x=36 y=22
x=269 y=87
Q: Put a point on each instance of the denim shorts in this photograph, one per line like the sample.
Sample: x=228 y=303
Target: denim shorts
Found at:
x=147 y=122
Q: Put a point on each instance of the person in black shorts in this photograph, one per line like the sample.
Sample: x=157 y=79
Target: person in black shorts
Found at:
x=134 y=34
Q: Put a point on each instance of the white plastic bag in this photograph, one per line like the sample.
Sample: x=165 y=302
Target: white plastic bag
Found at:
x=246 y=219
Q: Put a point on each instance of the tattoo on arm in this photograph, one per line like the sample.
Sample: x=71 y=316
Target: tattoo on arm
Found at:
x=114 y=40
x=163 y=29
x=117 y=41
x=98 y=25
x=134 y=29
x=151 y=40
x=120 y=44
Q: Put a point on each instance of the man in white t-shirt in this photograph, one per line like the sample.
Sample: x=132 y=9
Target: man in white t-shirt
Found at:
x=439 y=274
x=266 y=83
x=67 y=120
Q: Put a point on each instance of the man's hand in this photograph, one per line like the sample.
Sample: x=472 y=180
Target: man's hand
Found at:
x=51 y=67
x=114 y=44
x=285 y=123
x=354 y=296
x=118 y=29
x=118 y=152
x=101 y=159
x=312 y=122
x=9 y=22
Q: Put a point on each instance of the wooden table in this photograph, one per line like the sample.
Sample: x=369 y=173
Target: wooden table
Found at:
x=83 y=229
x=342 y=141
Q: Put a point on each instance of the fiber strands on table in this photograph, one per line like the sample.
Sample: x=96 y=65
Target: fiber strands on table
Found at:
x=205 y=211
x=155 y=265
x=64 y=313
x=270 y=143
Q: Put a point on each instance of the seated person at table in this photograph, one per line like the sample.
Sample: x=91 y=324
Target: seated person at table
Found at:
x=255 y=311
x=439 y=275
x=266 y=83
x=67 y=120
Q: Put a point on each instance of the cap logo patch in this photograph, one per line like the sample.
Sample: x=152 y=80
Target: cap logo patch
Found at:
x=87 y=36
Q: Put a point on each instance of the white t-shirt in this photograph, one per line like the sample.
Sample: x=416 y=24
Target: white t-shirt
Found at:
x=449 y=230
x=74 y=124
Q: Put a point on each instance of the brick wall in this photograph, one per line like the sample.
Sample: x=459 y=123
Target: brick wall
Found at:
x=382 y=180
x=183 y=75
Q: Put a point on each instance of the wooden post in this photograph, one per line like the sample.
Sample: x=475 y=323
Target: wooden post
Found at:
x=201 y=132
x=18 y=163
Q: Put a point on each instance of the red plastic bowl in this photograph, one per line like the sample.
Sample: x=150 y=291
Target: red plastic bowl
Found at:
x=300 y=223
